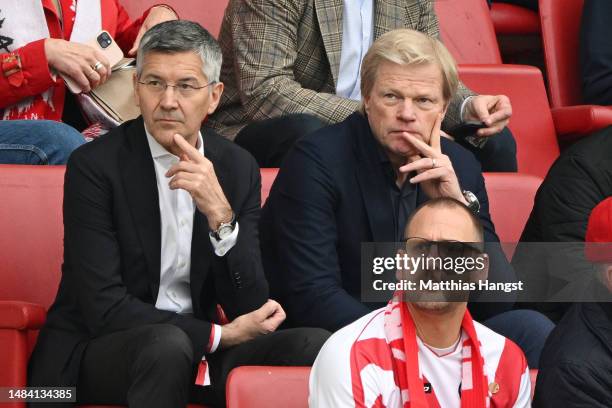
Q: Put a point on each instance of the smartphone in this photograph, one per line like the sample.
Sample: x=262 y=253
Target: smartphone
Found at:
x=105 y=43
x=466 y=129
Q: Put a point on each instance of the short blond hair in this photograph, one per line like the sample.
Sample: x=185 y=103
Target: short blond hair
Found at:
x=409 y=47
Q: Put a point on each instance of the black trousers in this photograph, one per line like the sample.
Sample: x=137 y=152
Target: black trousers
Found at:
x=270 y=140
x=153 y=366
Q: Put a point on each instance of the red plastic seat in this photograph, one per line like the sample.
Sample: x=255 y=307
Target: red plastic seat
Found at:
x=266 y=387
x=207 y=13
x=511 y=198
x=510 y=19
x=531 y=122
x=467 y=31
x=560 y=35
x=533 y=374
x=267 y=179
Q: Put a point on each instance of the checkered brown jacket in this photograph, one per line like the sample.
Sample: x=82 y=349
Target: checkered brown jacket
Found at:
x=283 y=56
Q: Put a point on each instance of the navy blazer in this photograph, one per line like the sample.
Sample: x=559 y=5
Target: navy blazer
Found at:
x=330 y=196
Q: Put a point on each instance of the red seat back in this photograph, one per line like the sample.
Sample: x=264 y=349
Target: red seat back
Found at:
x=264 y=387
x=509 y=19
x=531 y=122
x=267 y=179
x=467 y=31
x=511 y=198
x=560 y=33
x=31 y=232
x=208 y=13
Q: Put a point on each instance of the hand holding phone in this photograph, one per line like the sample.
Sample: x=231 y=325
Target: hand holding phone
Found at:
x=466 y=129
x=91 y=66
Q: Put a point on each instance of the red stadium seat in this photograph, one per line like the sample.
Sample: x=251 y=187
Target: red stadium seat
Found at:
x=268 y=387
x=531 y=122
x=560 y=34
x=267 y=179
x=510 y=202
x=467 y=31
x=208 y=13
x=511 y=198
x=533 y=374
x=509 y=19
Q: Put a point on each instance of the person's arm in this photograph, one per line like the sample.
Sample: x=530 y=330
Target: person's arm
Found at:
x=128 y=32
x=570 y=385
x=24 y=73
x=245 y=256
x=596 y=52
x=264 y=45
x=306 y=238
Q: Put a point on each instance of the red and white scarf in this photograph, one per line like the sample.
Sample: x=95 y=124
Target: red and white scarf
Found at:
x=400 y=333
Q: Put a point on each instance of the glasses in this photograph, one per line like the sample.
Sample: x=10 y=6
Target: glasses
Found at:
x=416 y=246
x=185 y=89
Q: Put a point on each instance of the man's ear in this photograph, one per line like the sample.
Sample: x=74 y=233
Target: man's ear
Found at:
x=215 y=97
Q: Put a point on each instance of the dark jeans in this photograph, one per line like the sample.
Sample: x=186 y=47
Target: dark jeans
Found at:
x=270 y=140
x=527 y=328
x=153 y=366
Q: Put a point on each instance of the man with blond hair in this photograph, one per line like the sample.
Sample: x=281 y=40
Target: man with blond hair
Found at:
x=358 y=181
x=292 y=67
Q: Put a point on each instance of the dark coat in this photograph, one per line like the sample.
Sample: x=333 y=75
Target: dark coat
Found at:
x=576 y=364
x=578 y=180
x=112 y=243
x=330 y=196
x=596 y=52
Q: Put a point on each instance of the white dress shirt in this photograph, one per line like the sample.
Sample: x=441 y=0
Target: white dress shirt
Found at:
x=176 y=208
x=357 y=36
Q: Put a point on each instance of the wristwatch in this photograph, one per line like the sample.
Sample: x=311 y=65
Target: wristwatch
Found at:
x=225 y=229
x=472 y=200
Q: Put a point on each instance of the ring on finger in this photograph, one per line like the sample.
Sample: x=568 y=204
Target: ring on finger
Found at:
x=433 y=163
x=97 y=66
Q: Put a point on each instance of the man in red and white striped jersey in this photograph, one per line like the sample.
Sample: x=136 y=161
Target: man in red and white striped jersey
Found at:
x=427 y=352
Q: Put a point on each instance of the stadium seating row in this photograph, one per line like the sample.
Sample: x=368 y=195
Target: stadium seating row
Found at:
x=31 y=239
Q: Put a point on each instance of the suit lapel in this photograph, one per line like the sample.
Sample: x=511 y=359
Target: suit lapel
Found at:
x=389 y=15
x=140 y=184
x=329 y=16
x=375 y=193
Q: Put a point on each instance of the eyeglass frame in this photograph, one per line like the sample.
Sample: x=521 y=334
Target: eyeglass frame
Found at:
x=175 y=86
x=476 y=249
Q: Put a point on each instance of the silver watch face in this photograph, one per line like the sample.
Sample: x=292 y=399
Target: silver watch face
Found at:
x=225 y=231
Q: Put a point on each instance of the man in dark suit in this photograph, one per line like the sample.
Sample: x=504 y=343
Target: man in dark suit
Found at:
x=359 y=181
x=160 y=227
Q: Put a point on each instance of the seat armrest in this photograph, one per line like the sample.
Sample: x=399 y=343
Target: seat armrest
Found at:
x=19 y=315
x=575 y=122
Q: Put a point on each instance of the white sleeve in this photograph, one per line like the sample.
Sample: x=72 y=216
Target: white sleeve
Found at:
x=223 y=246
x=330 y=379
x=523 y=399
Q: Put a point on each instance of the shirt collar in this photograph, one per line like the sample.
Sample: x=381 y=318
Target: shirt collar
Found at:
x=158 y=150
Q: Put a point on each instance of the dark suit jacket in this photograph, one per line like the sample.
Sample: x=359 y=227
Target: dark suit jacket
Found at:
x=330 y=196
x=596 y=52
x=111 y=271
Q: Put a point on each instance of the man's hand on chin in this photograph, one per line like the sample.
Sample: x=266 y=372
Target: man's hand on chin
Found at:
x=262 y=321
x=196 y=174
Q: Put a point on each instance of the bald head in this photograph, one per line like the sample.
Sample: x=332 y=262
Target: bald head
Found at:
x=443 y=219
